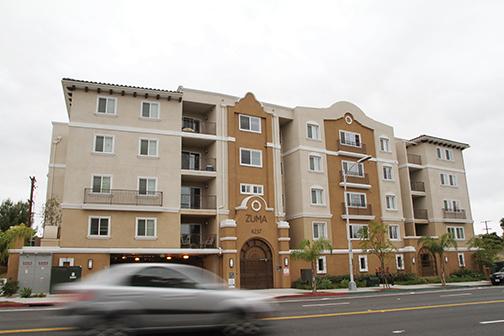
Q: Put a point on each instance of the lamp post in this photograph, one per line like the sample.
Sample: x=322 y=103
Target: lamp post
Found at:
x=351 y=285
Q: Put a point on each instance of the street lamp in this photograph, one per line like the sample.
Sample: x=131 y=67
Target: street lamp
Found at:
x=351 y=285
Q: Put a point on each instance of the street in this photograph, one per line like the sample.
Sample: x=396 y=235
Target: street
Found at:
x=469 y=311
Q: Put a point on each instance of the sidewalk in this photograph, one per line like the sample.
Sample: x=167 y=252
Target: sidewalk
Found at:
x=277 y=293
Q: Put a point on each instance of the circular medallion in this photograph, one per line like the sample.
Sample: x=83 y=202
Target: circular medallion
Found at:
x=256 y=205
x=348 y=119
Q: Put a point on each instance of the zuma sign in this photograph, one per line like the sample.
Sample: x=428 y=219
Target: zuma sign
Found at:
x=256 y=219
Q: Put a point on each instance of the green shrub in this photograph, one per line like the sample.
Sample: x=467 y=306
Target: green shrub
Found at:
x=344 y=283
x=465 y=274
x=25 y=292
x=10 y=288
x=40 y=295
x=403 y=276
x=432 y=279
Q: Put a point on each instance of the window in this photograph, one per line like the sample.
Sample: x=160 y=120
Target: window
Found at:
x=104 y=144
x=461 y=259
x=387 y=173
x=250 y=157
x=148 y=147
x=399 y=260
x=250 y=124
x=313 y=131
x=353 y=168
x=384 y=144
x=150 y=110
x=356 y=200
x=390 y=201
x=439 y=153
x=449 y=154
x=190 y=160
x=456 y=232
x=146 y=228
x=317 y=196
x=444 y=154
x=358 y=231
x=147 y=186
x=106 y=105
x=161 y=277
x=315 y=163
x=102 y=184
x=99 y=227
x=190 y=235
x=394 y=232
x=321 y=265
x=448 y=179
x=190 y=198
x=451 y=205
x=350 y=139
x=190 y=125
x=319 y=230
x=251 y=189
x=363 y=265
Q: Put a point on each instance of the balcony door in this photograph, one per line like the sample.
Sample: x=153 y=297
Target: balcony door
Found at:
x=190 y=160
x=190 y=235
x=190 y=198
x=190 y=125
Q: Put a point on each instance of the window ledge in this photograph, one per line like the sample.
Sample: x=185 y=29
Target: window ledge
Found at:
x=311 y=139
x=147 y=157
x=145 y=238
x=106 y=115
x=149 y=119
x=98 y=237
x=319 y=205
x=102 y=153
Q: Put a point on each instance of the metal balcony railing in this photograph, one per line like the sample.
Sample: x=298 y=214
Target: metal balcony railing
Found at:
x=208 y=202
x=352 y=147
x=202 y=127
x=417 y=186
x=420 y=213
x=414 y=159
x=123 y=197
x=354 y=178
x=206 y=164
x=197 y=241
x=454 y=214
x=354 y=209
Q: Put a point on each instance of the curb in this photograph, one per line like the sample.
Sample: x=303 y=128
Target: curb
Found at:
x=13 y=304
x=309 y=295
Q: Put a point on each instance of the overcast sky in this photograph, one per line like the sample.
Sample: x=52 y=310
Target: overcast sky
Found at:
x=424 y=67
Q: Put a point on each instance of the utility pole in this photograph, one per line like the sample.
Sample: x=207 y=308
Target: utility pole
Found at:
x=486 y=225
x=30 y=201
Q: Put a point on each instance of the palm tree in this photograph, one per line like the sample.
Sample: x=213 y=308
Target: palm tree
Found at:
x=14 y=235
x=437 y=248
x=310 y=251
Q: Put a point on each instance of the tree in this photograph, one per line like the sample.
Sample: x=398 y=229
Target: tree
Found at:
x=12 y=214
x=11 y=236
x=489 y=246
x=376 y=241
x=310 y=251
x=437 y=247
x=502 y=225
x=52 y=213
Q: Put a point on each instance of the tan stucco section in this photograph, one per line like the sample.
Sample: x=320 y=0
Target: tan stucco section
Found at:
x=100 y=261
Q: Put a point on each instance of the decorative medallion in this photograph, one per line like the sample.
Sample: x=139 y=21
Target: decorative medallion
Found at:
x=348 y=119
x=256 y=205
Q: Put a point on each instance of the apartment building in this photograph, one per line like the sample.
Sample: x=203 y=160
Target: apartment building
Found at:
x=233 y=185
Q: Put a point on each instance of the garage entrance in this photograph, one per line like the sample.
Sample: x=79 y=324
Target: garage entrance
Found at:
x=256 y=265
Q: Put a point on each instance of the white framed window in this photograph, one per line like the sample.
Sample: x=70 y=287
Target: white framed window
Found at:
x=385 y=144
x=353 y=168
x=66 y=262
x=317 y=196
x=461 y=260
x=350 y=138
x=449 y=154
x=99 y=226
x=321 y=265
x=439 y=153
x=356 y=200
x=101 y=184
x=250 y=157
x=250 y=124
x=146 y=228
x=358 y=231
x=106 y=105
x=456 y=232
x=103 y=144
x=444 y=154
x=319 y=230
x=251 y=189
x=399 y=261
x=148 y=147
x=448 y=179
x=451 y=205
x=387 y=173
x=147 y=186
x=363 y=264
x=390 y=202
x=315 y=161
x=149 y=110
x=394 y=233
x=190 y=124
x=312 y=130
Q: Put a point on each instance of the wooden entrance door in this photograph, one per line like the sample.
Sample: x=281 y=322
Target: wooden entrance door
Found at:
x=426 y=263
x=256 y=266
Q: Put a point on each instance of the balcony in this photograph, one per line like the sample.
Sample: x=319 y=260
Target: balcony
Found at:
x=123 y=197
x=415 y=159
x=417 y=186
x=194 y=201
x=358 y=211
x=196 y=168
x=197 y=126
x=420 y=214
x=454 y=214
x=196 y=240
x=352 y=147
x=354 y=179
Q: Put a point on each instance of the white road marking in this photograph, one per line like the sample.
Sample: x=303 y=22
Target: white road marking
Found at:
x=492 y=322
x=15 y=310
x=326 y=304
x=461 y=294
x=398 y=331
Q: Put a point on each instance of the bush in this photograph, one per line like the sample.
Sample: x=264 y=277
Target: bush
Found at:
x=465 y=274
x=39 y=295
x=25 y=292
x=323 y=282
x=432 y=279
x=10 y=288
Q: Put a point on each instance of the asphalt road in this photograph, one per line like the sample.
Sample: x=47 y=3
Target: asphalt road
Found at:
x=474 y=311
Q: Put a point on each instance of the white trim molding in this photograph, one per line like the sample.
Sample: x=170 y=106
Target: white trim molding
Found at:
x=283 y=225
x=228 y=223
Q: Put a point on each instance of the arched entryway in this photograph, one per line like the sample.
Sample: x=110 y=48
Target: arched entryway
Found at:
x=256 y=265
x=426 y=264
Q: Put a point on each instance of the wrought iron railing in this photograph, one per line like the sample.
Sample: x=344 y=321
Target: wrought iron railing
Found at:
x=417 y=186
x=352 y=147
x=354 y=178
x=454 y=214
x=123 y=197
x=355 y=209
